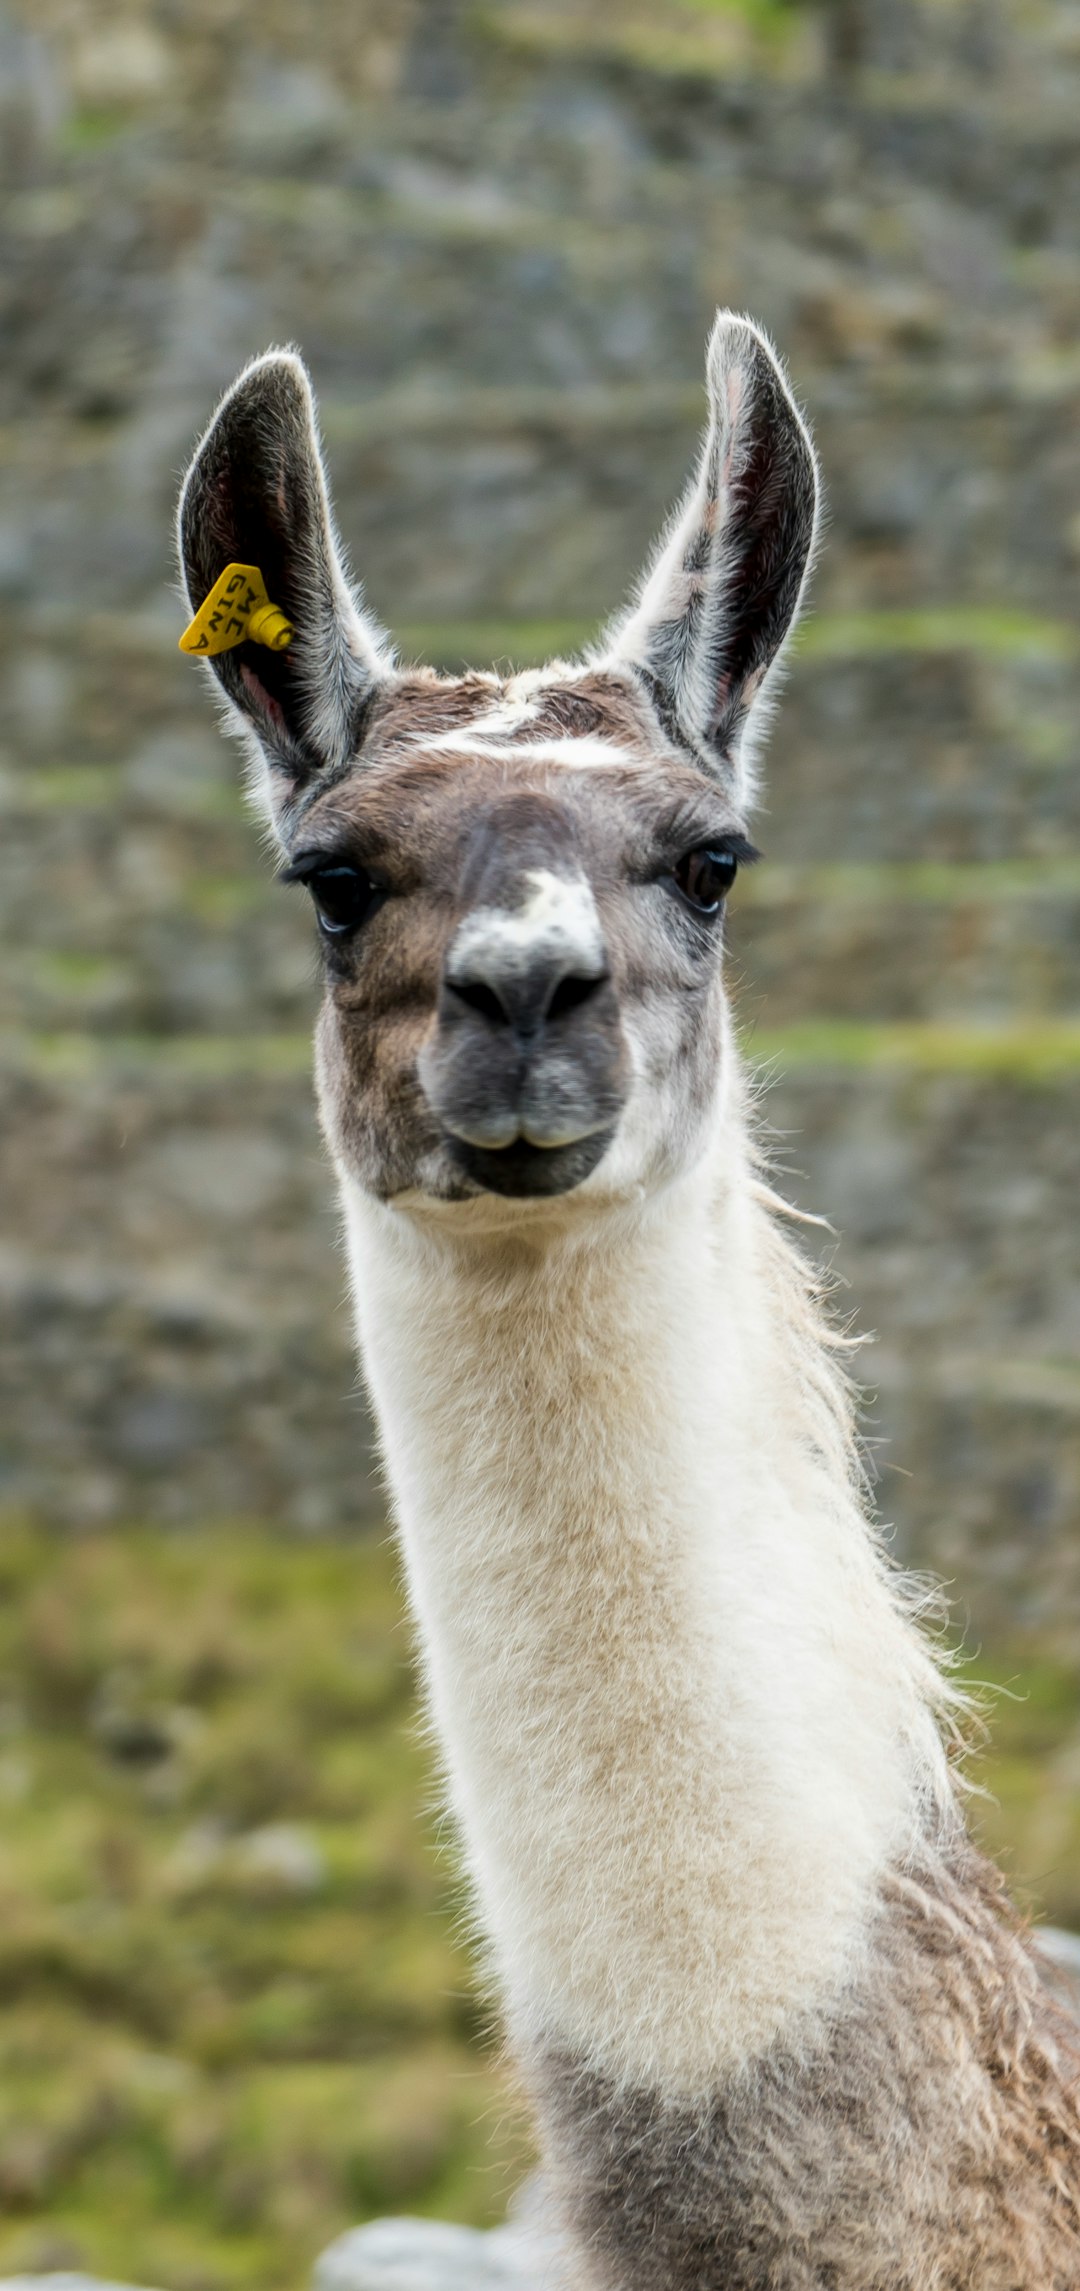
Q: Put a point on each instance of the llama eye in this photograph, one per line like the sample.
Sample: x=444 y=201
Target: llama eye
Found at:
x=705 y=877
x=344 y=898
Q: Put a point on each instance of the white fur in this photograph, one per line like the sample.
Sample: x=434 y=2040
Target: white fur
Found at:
x=686 y=1725
x=585 y=752
x=558 y=919
x=496 y=730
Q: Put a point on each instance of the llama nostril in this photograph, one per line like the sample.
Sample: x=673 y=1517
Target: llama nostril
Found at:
x=477 y=995
x=572 y=991
x=526 y=1002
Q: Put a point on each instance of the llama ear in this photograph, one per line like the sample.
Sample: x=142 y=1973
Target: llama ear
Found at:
x=255 y=495
x=723 y=590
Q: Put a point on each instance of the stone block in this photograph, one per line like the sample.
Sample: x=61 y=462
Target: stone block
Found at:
x=430 y=2255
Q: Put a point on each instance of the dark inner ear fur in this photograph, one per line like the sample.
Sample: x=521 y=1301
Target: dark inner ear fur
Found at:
x=771 y=529
x=735 y=578
x=231 y=522
x=255 y=496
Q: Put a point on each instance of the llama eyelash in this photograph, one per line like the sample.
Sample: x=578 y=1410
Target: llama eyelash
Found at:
x=309 y=863
x=685 y=835
x=318 y=862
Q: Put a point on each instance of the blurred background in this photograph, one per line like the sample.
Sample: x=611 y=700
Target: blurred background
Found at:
x=234 y=2013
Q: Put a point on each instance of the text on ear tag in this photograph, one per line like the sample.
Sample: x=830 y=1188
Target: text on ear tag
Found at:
x=236 y=609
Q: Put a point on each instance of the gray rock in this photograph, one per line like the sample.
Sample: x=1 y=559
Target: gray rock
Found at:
x=1062 y=1951
x=281 y=1856
x=1062 y=1948
x=428 y=2255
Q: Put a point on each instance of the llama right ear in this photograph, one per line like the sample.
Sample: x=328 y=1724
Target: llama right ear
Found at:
x=723 y=591
x=255 y=494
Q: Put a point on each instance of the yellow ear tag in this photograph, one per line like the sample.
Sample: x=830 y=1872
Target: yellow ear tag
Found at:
x=237 y=607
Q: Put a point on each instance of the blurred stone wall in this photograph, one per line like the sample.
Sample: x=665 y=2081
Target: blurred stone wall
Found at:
x=499 y=234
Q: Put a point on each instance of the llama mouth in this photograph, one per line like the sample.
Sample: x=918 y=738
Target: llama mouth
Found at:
x=522 y=1170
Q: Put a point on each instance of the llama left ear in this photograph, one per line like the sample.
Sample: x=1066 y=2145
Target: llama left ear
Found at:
x=256 y=495
x=723 y=591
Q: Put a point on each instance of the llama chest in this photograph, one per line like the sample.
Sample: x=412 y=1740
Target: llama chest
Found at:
x=925 y=2140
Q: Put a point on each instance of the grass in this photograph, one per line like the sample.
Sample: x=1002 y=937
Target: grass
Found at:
x=106 y=789
x=234 y=2016
x=989 y=632
x=457 y=645
x=711 y=39
x=92 y=127
x=989 y=629
x=1029 y=1052
x=75 y=1057
x=919 y=882
x=1029 y=1818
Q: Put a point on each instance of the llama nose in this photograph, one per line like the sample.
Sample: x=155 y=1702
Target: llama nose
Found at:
x=525 y=996
x=527 y=1049
x=523 y=966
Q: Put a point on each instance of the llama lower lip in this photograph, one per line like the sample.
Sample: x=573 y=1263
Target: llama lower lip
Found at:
x=522 y=1170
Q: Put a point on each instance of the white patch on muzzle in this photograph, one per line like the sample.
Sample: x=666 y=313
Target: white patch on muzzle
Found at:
x=557 y=919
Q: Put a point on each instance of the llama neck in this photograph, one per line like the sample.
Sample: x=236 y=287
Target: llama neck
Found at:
x=685 y=1724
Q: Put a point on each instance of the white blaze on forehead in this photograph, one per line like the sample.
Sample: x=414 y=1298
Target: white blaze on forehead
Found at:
x=483 y=738
x=515 y=707
x=502 y=730
x=557 y=916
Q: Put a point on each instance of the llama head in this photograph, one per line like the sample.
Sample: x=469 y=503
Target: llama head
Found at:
x=519 y=883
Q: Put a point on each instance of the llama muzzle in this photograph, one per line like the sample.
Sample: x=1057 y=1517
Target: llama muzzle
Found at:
x=526 y=1068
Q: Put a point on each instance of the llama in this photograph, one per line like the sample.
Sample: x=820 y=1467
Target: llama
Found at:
x=776 y=2024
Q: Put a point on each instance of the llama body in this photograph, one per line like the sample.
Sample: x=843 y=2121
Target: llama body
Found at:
x=775 y=2026
x=778 y=2030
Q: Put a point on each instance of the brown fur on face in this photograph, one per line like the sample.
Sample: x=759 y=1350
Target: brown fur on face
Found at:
x=415 y=814
x=424 y=706
x=927 y=2138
